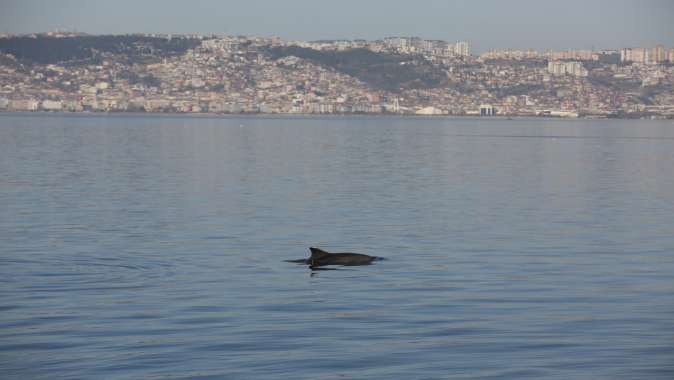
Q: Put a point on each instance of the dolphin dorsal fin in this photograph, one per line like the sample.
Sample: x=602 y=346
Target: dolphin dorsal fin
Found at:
x=317 y=253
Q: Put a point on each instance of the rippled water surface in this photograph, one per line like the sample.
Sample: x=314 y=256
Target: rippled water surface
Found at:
x=152 y=247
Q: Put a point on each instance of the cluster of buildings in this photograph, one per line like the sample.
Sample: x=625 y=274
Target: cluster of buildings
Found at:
x=574 y=68
x=230 y=74
x=400 y=45
x=412 y=45
x=552 y=55
x=649 y=56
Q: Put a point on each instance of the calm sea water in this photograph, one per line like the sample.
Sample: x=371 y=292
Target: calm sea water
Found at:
x=139 y=247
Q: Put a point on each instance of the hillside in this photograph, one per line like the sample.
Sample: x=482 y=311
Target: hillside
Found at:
x=46 y=50
x=381 y=71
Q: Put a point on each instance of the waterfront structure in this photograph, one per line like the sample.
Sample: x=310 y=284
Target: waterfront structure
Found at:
x=427 y=111
x=487 y=110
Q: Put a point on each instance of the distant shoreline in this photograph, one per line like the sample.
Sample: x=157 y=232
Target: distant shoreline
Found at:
x=206 y=115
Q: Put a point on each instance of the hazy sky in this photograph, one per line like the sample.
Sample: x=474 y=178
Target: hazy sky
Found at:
x=485 y=24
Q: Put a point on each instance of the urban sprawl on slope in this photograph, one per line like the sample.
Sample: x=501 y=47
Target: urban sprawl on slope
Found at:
x=397 y=75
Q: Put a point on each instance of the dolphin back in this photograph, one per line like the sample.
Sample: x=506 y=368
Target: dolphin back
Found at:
x=317 y=253
x=320 y=257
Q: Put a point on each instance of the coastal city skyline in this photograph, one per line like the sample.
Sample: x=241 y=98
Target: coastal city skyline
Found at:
x=63 y=71
x=488 y=25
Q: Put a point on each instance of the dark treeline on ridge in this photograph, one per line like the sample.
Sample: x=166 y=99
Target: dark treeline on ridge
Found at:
x=46 y=50
x=379 y=70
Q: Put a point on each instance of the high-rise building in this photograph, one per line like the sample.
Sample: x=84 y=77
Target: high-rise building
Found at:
x=416 y=43
x=396 y=42
x=555 y=68
x=428 y=45
x=649 y=57
x=565 y=67
x=660 y=54
x=462 y=48
x=450 y=49
x=639 y=55
x=625 y=55
x=670 y=55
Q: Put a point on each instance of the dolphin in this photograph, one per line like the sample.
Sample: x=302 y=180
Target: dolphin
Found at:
x=321 y=258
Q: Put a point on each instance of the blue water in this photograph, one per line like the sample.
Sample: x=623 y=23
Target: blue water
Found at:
x=147 y=247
